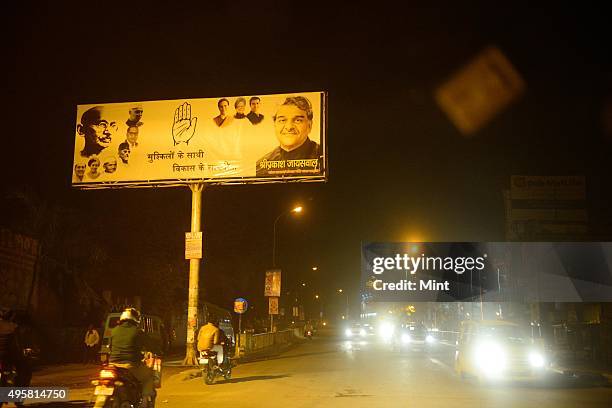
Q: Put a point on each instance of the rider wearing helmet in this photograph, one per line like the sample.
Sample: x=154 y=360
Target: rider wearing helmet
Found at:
x=127 y=343
x=9 y=339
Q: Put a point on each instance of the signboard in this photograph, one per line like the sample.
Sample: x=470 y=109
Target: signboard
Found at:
x=546 y=207
x=548 y=188
x=272 y=285
x=240 y=305
x=245 y=139
x=480 y=90
x=273 y=305
x=18 y=256
x=193 y=245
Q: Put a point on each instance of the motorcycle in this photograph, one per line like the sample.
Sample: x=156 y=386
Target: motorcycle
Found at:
x=8 y=373
x=209 y=364
x=308 y=334
x=116 y=387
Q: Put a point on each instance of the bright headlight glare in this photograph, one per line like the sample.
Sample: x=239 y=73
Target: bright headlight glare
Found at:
x=430 y=338
x=405 y=338
x=490 y=358
x=386 y=330
x=536 y=360
x=348 y=332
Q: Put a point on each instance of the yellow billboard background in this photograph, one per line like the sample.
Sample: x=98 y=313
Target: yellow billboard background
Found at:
x=204 y=151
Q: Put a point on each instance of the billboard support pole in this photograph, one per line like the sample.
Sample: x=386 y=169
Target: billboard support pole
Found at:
x=194 y=274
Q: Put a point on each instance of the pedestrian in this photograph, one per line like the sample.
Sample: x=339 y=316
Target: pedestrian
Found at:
x=92 y=339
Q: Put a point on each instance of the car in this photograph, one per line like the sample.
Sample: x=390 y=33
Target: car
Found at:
x=357 y=330
x=498 y=350
x=413 y=337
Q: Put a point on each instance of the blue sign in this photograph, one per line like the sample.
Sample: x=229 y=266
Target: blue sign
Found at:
x=240 y=305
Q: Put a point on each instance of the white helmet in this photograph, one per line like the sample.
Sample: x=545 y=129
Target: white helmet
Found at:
x=130 y=314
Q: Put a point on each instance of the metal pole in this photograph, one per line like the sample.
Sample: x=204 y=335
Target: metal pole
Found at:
x=239 y=331
x=274 y=260
x=347 y=306
x=194 y=274
x=274 y=239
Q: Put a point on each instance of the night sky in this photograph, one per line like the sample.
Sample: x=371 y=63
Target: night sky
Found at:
x=398 y=168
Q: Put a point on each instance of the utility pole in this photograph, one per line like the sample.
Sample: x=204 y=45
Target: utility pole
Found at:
x=194 y=275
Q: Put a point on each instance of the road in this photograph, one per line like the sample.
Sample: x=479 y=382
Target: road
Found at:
x=332 y=372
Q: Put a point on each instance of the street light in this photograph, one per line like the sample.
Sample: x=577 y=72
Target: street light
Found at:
x=314 y=268
x=340 y=291
x=296 y=210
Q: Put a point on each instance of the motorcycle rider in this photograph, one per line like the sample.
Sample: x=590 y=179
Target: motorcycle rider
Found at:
x=12 y=350
x=308 y=328
x=127 y=343
x=210 y=337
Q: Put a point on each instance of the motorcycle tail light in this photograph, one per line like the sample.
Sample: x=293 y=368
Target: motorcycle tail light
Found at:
x=107 y=374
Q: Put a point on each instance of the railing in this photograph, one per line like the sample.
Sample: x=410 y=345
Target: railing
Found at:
x=250 y=343
x=447 y=336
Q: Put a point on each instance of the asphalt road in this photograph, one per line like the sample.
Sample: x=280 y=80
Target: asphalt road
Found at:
x=333 y=372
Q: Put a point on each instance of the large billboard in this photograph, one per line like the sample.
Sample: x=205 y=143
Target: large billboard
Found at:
x=246 y=139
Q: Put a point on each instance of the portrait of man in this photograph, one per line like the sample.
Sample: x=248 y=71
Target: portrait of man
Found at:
x=110 y=165
x=135 y=116
x=131 y=136
x=223 y=119
x=124 y=152
x=253 y=115
x=97 y=129
x=240 y=105
x=79 y=171
x=292 y=125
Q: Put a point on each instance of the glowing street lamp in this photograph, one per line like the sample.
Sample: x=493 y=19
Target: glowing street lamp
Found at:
x=295 y=210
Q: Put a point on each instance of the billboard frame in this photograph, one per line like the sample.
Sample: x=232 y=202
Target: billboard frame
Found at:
x=177 y=182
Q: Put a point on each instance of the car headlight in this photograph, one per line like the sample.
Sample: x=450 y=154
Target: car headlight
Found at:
x=348 y=332
x=536 y=360
x=490 y=358
x=430 y=339
x=386 y=330
x=362 y=333
x=405 y=338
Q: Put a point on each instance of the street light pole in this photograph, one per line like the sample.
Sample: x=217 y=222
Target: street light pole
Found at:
x=295 y=210
x=347 y=302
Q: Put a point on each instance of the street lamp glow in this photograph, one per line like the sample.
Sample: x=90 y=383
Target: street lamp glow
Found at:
x=339 y=290
x=316 y=296
x=314 y=268
x=303 y=284
x=297 y=209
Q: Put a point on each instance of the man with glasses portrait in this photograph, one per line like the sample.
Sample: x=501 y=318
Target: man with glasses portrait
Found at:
x=97 y=129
